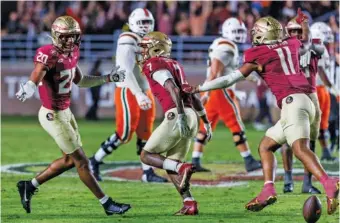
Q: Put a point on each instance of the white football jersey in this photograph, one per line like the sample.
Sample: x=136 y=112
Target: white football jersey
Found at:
x=326 y=63
x=127 y=54
x=225 y=51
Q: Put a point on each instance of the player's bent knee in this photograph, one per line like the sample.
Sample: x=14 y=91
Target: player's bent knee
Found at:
x=268 y=144
x=201 y=138
x=239 y=138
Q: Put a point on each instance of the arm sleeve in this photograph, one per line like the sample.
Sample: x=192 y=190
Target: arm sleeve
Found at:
x=126 y=55
x=222 y=82
x=161 y=76
x=92 y=81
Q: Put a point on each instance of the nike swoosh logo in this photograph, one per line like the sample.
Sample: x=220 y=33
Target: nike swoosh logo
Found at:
x=25 y=198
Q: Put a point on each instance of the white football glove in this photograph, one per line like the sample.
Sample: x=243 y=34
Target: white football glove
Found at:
x=334 y=91
x=181 y=123
x=208 y=129
x=143 y=101
x=26 y=91
x=117 y=75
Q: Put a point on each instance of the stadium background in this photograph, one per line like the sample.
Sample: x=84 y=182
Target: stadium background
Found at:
x=192 y=26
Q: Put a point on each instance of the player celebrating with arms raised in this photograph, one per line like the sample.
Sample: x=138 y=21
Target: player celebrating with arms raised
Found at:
x=55 y=70
x=173 y=136
x=277 y=61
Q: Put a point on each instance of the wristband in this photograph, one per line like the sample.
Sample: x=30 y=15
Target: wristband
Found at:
x=202 y=113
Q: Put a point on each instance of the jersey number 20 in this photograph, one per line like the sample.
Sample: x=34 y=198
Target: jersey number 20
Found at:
x=288 y=69
x=65 y=85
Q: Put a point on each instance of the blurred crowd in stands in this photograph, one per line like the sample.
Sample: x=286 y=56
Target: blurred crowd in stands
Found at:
x=195 y=18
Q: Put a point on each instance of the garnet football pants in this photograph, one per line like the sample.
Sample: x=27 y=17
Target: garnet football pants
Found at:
x=130 y=118
x=222 y=104
x=325 y=106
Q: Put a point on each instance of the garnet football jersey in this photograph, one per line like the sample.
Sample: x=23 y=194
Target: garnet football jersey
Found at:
x=161 y=63
x=281 y=69
x=55 y=88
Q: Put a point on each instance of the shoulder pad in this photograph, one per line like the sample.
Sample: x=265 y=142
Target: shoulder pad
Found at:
x=225 y=45
x=129 y=38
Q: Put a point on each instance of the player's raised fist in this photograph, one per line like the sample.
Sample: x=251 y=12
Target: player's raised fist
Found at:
x=117 y=75
x=301 y=17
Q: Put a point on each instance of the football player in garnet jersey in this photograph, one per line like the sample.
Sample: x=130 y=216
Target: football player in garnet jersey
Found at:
x=173 y=136
x=309 y=62
x=135 y=104
x=54 y=72
x=288 y=83
x=223 y=59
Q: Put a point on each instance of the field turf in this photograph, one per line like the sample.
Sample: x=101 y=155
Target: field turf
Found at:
x=66 y=199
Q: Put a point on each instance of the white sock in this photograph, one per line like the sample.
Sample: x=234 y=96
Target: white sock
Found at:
x=145 y=167
x=269 y=182
x=35 y=183
x=172 y=165
x=245 y=154
x=104 y=199
x=100 y=154
x=197 y=154
x=189 y=199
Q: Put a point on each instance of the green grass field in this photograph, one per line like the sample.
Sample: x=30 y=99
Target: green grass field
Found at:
x=66 y=199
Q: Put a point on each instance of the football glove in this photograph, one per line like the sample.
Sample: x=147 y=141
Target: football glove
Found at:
x=116 y=75
x=182 y=125
x=208 y=129
x=143 y=101
x=301 y=17
x=26 y=91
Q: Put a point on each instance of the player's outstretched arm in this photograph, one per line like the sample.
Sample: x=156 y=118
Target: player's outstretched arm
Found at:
x=27 y=90
x=198 y=106
x=229 y=79
x=81 y=80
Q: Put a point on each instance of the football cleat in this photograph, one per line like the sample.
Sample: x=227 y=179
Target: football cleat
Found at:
x=266 y=197
x=111 y=207
x=288 y=188
x=252 y=164
x=199 y=168
x=310 y=190
x=185 y=171
x=26 y=191
x=149 y=176
x=94 y=167
x=189 y=208
x=332 y=195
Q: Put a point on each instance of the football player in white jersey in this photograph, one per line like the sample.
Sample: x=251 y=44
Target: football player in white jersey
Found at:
x=223 y=59
x=135 y=105
x=324 y=80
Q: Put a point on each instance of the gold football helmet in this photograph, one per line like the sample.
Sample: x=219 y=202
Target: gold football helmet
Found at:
x=65 y=33
x=155 y=44
x=266 y=30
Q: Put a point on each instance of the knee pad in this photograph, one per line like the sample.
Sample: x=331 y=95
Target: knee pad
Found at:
x=140 y=145
x=111 y=143
x=241 y=138
x=202 y=141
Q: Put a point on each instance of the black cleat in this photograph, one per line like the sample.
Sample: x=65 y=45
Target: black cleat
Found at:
x=199 y=168
x=94 y=167
x=288 y=188
x=149 y=176
x=111 y=207
x=251 y=164
x=26 y=191
x=310 y=190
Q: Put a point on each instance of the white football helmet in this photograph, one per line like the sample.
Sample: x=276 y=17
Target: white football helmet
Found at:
x=235 y=30
x=321 y=30
x=141 y=21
